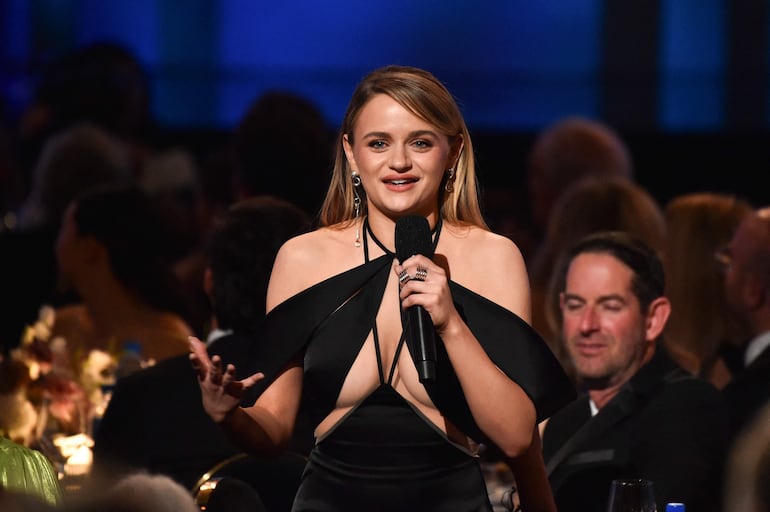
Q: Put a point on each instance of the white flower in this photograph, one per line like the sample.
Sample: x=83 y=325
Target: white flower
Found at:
x=45 y=319
x=98 y=369
x=46 y=315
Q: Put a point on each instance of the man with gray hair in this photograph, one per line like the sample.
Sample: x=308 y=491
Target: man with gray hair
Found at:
x=746 y=264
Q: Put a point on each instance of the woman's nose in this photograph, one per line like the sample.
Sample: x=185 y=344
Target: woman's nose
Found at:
x=399 y=159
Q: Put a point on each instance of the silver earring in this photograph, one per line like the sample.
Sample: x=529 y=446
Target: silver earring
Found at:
x=356 y=179
x=450 y=179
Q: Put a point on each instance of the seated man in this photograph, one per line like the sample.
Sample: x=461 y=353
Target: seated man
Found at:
x=155 y=420
x=746 y=263
x=640 y=416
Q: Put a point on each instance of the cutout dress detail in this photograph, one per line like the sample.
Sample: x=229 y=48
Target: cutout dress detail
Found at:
x=384 y=455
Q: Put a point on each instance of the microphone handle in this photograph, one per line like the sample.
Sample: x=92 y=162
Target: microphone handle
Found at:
x=423 y=335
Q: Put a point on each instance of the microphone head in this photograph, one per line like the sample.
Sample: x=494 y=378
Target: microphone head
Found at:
x=413 y=236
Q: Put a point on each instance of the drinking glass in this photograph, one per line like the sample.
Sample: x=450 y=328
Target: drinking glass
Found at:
x=631 y=495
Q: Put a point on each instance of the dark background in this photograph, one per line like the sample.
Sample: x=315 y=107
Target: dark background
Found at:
x=683 y=81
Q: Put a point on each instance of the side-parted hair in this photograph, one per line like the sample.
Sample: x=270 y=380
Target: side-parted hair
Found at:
x=647 y=282
x=422 y=94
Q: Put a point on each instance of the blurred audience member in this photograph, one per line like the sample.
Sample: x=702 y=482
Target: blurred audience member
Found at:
x=79 y=157
x=103 y=83
x=115 y=250
x=564 y=152
x=747 y=479
x=641 y=415
x=139 y=429
x=19 y=501
x=72 y=161
x=284 y=148
x=27 y=471
x=172 y=178
x=702 y=334
x=746 y=261
x=136 y=492
x=587 y=206
x=281 y=147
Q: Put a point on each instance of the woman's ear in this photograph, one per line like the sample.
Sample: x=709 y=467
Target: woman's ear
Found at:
x=348 y=147
x=456 y=148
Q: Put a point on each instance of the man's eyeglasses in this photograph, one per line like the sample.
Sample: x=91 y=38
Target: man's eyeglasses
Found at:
x=723 y=257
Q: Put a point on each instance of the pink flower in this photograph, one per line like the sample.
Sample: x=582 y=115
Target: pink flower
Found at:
x=67 y=401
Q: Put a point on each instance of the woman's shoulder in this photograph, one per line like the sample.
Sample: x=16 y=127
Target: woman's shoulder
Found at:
x=316 y=247
x=310 y=258
x=489 y=264
x=474 y=244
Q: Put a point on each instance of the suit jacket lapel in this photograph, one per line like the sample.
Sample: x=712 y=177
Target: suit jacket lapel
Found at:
x=630 y=398
x=621 y=406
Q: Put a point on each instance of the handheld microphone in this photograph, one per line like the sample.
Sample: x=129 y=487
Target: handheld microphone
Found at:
x=413 y=237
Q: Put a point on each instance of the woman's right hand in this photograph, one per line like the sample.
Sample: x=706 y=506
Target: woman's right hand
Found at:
x=220 y=391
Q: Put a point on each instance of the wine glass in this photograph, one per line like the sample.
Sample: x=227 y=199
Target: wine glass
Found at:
x=631 y=495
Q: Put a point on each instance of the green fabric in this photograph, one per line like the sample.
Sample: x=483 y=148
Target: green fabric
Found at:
x=27 y=470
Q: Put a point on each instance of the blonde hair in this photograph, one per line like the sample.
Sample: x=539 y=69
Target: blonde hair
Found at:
x=426 y=97
x=697 y=225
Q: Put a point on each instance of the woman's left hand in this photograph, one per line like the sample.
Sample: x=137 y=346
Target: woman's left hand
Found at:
x=424 y=283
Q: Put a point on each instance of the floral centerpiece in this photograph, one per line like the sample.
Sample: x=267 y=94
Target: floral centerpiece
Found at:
x=50 y=390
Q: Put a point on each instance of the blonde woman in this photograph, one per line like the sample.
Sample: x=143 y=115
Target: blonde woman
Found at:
x=335 y=340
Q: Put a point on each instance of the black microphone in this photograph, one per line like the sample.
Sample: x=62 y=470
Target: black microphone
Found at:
x=413 y=237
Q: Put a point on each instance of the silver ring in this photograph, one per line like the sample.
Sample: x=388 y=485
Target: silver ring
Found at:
x=404 y=277
x=421 y=274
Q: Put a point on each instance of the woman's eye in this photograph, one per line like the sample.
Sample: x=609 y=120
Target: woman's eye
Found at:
x=421 y=143
x=377 y=144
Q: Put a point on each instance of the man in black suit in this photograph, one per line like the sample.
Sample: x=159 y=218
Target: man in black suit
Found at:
x=155 y=420
x=640 y=416
x=746 y=261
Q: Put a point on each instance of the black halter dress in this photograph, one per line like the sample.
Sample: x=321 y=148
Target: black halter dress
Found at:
x=384 y=455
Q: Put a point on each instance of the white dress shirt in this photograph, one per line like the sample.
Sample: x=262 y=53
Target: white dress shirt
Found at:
x=215 y=334
x=756 y=347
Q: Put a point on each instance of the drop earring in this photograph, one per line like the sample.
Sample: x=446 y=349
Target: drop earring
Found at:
x=449 y=186
x=356 y=179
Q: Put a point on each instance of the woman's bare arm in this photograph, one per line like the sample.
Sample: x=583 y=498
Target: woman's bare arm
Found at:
x=493 y=267
x=267 y=426
x=532 y=484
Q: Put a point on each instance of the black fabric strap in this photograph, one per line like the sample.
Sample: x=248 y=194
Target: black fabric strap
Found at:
x=337 y=314
x=436 y=232
x=626 y=400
